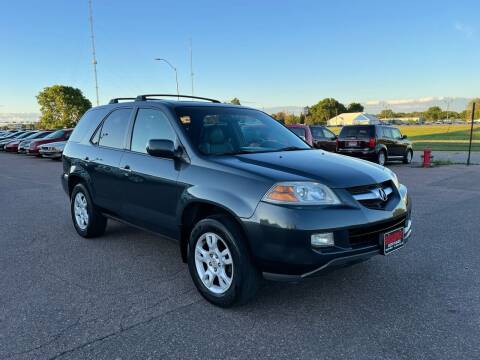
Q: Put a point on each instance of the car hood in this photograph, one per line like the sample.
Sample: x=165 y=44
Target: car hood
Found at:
x=58 y=144
x=333 y=170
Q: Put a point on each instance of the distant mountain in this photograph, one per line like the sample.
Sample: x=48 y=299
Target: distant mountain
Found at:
x=421 y=104
x=8 y=118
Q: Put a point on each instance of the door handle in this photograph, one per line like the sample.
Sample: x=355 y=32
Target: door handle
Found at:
x=86 y=158
x=127 y=168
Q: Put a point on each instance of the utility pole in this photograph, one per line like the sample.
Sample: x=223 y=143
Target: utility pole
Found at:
x=191 y=64
x=94 y=56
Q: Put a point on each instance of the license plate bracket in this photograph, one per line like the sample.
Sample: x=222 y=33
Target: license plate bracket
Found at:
x=392 y=240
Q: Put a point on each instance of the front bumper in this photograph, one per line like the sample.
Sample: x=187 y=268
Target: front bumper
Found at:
x=279 y=236
x=50 y=154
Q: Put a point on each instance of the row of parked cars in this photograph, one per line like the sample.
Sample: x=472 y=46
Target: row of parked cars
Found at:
x=379 y=143
x=41 y=143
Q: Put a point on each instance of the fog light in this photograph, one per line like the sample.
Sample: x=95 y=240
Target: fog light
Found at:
x=321 y=240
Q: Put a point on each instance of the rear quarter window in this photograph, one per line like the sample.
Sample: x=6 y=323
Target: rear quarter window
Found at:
x=87 y=124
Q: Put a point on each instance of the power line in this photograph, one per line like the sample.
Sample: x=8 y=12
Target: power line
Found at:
x=94 y=56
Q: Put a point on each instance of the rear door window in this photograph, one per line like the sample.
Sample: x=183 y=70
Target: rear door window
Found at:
x=114 y=128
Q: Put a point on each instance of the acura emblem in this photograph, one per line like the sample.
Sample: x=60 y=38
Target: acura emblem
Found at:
x=382 y=194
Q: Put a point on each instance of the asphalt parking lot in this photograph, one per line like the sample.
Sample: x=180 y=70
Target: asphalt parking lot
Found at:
x=127 y=295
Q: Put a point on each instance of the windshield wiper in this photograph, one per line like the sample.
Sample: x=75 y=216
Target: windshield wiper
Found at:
x=292 y=148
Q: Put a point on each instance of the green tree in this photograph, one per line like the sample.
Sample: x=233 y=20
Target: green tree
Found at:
x=61 y=106
x=324 y=110
x=235 y=101
x=355 y=107
x=386 y=114
x=468 y=110
x=433 y=113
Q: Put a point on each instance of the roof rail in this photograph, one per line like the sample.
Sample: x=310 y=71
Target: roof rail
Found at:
x=145 y=97
x=116 y=100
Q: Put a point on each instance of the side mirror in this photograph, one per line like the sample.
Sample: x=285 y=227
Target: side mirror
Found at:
x=162 y=148
x=404 y=136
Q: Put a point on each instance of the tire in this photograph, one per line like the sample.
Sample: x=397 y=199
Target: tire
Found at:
x=87 y=220
x=407 y=159
x=381 y=158
x=243 y=276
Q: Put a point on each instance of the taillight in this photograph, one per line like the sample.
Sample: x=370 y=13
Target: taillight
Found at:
x=337 y=144
x=371 y=143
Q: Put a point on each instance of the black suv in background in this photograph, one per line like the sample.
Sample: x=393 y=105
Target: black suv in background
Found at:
x=242 y=194
x=379 y=143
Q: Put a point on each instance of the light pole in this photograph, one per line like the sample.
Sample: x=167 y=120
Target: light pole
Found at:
x=174 y=69
x=94 y=56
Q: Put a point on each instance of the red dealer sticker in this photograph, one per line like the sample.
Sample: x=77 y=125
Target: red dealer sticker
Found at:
x=392 y=241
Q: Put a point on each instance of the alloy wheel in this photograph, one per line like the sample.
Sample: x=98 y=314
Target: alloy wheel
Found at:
x=214 y=263
x=80 y=210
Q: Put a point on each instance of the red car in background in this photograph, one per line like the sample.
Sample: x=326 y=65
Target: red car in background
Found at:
x=317 y=136
x=13 y=145
x=59 y=135
x=303 y=132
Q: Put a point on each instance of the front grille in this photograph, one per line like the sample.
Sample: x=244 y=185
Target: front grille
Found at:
x=369 y=197
x=370 y=235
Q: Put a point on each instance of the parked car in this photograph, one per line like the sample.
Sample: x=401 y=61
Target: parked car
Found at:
x=25 y=144
x=16 y=136
x=7 y=133
x=316 y=135
x=323 y=138
x=13 y=146
x=59 y=135
x=378 y=143
x=52 y=150
x=303 y=132
x=239 y=209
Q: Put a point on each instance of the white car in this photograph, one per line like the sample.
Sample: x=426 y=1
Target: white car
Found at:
x=52 y=150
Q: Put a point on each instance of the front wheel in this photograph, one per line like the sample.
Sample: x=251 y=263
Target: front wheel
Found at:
x=219 y=262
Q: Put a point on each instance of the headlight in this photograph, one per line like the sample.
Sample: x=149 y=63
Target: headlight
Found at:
x=301 y=193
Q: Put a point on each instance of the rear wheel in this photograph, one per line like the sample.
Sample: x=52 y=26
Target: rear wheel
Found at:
x=219 y=262
x=381 y=157
x=87 y=220
x=407 y=159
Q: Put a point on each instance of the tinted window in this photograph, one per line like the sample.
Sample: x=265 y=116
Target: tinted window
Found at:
x=150 y=124
x=87 y=124
x=357 y=132
x=299 y=132
x=112 y=133
x=387 y=133
x=217 y=130
x=396 y=133
x=317 y=132
x=55 y=134
x=328 y=134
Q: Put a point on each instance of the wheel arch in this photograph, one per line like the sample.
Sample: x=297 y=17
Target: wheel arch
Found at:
x=197 y=210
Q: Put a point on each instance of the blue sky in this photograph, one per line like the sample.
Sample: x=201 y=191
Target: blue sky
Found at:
x=267 y=53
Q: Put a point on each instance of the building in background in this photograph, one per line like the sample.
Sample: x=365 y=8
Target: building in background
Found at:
x=358 y=118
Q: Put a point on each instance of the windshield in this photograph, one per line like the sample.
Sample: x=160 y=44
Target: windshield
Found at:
x=32 y=136
x=357 y=132
x=224 y=130
x=55 y=134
